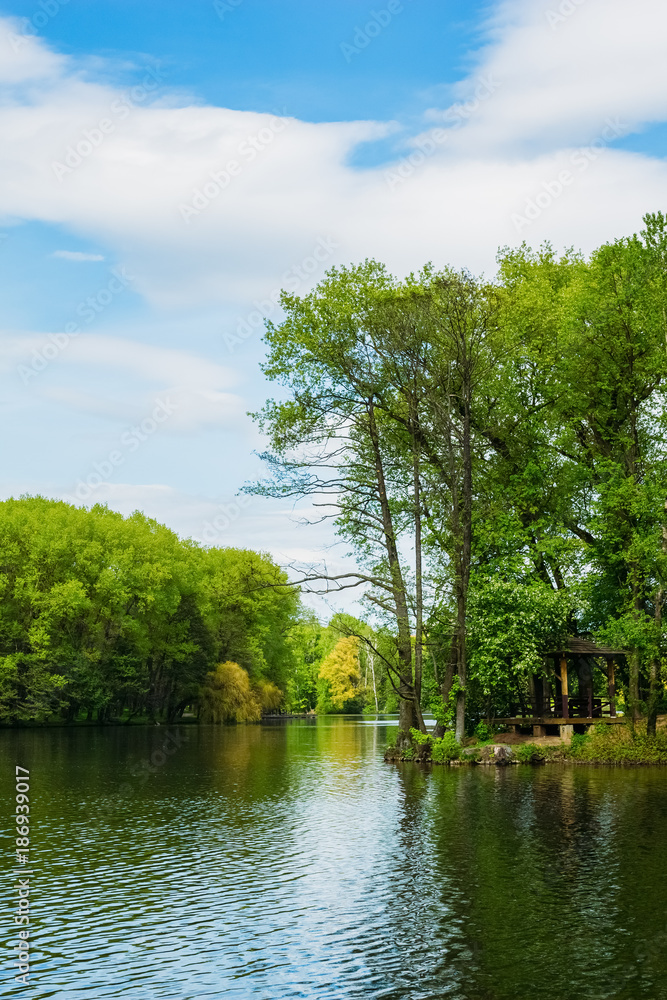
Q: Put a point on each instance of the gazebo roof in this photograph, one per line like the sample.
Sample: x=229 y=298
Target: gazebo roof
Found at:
x=585 y=647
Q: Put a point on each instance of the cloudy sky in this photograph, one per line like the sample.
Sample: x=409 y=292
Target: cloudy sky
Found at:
x=165 y=168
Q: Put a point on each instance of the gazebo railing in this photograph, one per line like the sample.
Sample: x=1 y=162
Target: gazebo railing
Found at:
x=577 y=708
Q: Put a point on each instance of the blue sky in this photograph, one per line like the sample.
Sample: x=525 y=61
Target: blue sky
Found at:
x=166 y=168
x=261 y=55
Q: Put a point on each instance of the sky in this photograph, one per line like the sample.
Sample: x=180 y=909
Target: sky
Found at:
x=165 y=169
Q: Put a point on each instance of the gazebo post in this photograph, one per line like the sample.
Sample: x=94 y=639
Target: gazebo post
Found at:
x=546 y=696
x=563 y=685
x=611 y=687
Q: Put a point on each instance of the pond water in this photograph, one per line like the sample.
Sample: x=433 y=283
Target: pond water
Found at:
x=287 y=860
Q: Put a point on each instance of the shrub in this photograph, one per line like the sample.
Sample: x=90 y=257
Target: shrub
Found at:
x=605 y=744
x=484 y=732
x=578 y=743
x=530 y=753
x=421 y=739
x=445 y=749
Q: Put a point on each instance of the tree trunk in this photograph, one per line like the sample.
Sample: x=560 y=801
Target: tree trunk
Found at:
x=633 y=685
x=653 y=698
x=408 y=710
x=419 y=596
x=655 y=671
x=634 y=658
x=371 y=658
x=447 y=684
x=462 y=524
x=467 y=543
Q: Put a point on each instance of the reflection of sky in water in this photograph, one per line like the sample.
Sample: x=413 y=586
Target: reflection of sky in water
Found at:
x=391 y=720
x=288 y=860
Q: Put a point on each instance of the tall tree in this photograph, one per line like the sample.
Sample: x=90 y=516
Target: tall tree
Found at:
x=597 y=475
x=332 y=441
x=378 y=425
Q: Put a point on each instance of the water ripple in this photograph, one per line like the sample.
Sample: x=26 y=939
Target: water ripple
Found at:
x=290 y=861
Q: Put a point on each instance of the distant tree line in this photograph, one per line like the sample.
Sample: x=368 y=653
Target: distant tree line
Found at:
x=108 y=617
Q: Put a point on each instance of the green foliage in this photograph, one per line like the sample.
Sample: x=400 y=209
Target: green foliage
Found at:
x=269 y=695
x=248 y=610
x=421 y=739
x=530 y=753
x=512 y=624
x=484 y=732
x=577 y=743
x=445 y=749
x=305 y=642
x=105 y=616
x=339 y=677
x=605 y=744
x=425 y=747
x=227 y=696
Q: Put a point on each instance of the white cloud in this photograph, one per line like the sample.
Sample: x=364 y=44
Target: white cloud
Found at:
x=133 y=175
x=156 y=364
x=77 y=255
x=118 y=374
x=560 y=75
x=148 y=361
x=136 y=168
x=24 y=58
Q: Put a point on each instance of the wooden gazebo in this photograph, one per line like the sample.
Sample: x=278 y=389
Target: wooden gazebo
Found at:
x=550 y=700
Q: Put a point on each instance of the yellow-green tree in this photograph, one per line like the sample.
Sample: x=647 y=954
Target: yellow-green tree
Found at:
x=339 y=676
x=269 y=695
x=227 y=696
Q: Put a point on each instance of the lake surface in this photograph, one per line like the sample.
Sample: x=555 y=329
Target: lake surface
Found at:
x=287 y=860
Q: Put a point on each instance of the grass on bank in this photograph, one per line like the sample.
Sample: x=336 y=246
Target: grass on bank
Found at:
x=619 y=745
x=602 y=744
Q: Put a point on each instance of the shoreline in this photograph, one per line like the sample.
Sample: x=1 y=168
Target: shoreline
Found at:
x=611 y=746
x=136 y=724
